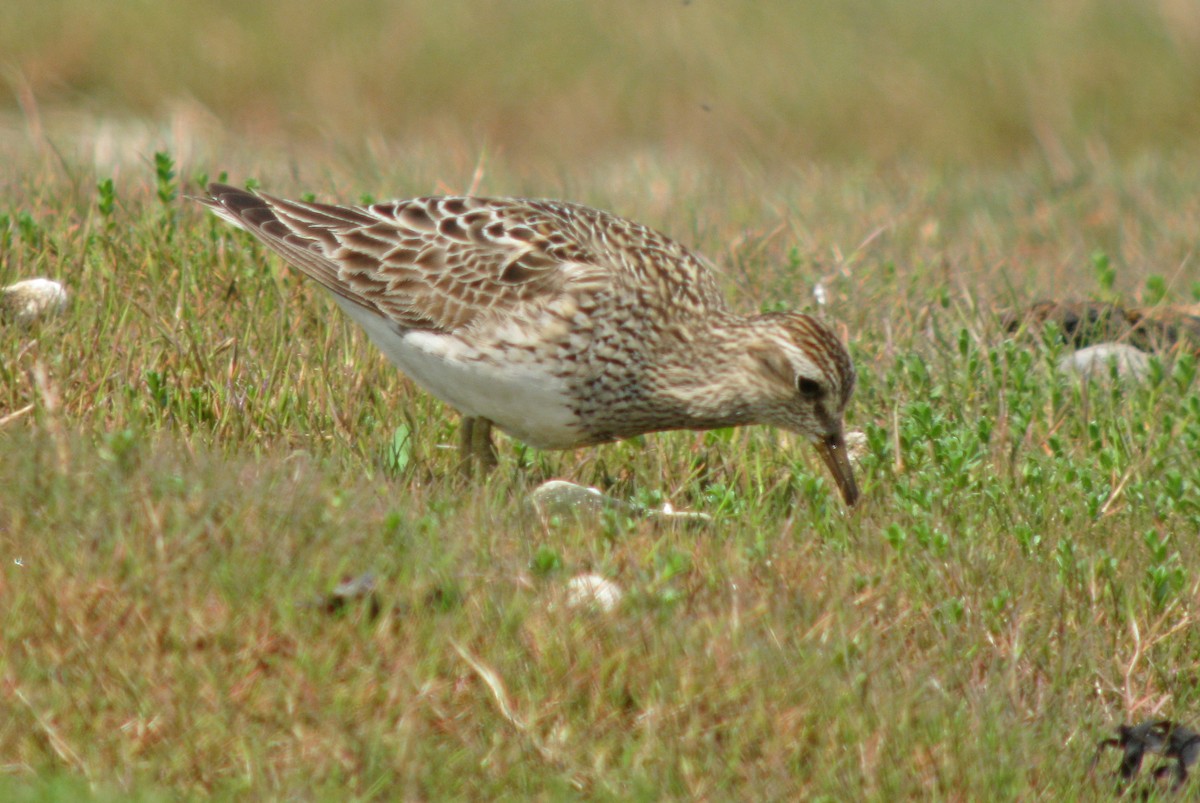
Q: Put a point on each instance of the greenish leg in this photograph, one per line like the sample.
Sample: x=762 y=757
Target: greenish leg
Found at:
x=476 y=444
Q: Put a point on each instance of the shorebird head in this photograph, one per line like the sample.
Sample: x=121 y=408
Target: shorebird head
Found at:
x=807 y=379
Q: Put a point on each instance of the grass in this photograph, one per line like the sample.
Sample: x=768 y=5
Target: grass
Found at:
x=210 y=449
x=548 y=82
x=201 y=447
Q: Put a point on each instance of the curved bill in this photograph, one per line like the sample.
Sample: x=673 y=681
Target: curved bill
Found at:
x=833 y=451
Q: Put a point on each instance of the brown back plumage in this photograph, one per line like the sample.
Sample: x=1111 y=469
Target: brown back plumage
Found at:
x=441 y=263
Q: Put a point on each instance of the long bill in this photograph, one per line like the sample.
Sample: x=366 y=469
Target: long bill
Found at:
x=833 y=451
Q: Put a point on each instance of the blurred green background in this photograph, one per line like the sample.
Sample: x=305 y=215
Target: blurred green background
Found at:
x=942 y=81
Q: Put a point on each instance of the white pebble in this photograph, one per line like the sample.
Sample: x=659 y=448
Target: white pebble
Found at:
x=557 y=497
x=1095 y=361
x=856 y=445
x=31 y=299
x=594 y=592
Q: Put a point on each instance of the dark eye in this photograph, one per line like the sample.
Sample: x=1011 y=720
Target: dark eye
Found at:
x=809 y=388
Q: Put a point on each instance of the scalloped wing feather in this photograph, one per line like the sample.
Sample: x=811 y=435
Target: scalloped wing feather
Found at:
x=449 y=262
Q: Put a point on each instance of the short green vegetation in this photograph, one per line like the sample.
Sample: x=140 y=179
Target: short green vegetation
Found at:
x=200 y=447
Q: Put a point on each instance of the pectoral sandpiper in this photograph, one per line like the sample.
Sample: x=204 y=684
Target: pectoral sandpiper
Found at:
x=562 y=325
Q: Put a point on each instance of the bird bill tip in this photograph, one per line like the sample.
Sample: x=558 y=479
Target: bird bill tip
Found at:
x=833 y=452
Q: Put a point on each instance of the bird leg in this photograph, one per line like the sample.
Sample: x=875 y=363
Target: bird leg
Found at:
x=476 y=445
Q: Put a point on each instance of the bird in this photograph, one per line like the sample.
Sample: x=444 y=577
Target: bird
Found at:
x=561 y=325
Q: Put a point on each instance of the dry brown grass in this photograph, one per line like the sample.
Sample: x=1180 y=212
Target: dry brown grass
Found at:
x=200 y=446
x=545 y=82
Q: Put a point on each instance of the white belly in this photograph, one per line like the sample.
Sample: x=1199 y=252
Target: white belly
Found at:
x=520 y=397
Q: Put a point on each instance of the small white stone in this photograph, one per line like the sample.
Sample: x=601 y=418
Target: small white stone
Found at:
x=594 y=592
x=1095 y=361
x=556 y=497
x=856 y=445
x=559 y=497
x=31 y=299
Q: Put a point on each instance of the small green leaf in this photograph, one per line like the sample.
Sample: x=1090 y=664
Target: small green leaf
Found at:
x=399 y=451
x=545 y=561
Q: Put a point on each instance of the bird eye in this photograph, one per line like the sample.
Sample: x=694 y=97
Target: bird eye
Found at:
x=809 y=388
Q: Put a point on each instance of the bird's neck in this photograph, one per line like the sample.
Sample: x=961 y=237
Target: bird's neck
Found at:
x=707 y=386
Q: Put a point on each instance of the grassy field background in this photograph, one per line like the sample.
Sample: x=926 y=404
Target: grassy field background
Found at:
x=200 y=445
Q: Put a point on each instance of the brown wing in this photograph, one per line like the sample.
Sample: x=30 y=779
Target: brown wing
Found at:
x=441 y=263
x=433 y=263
